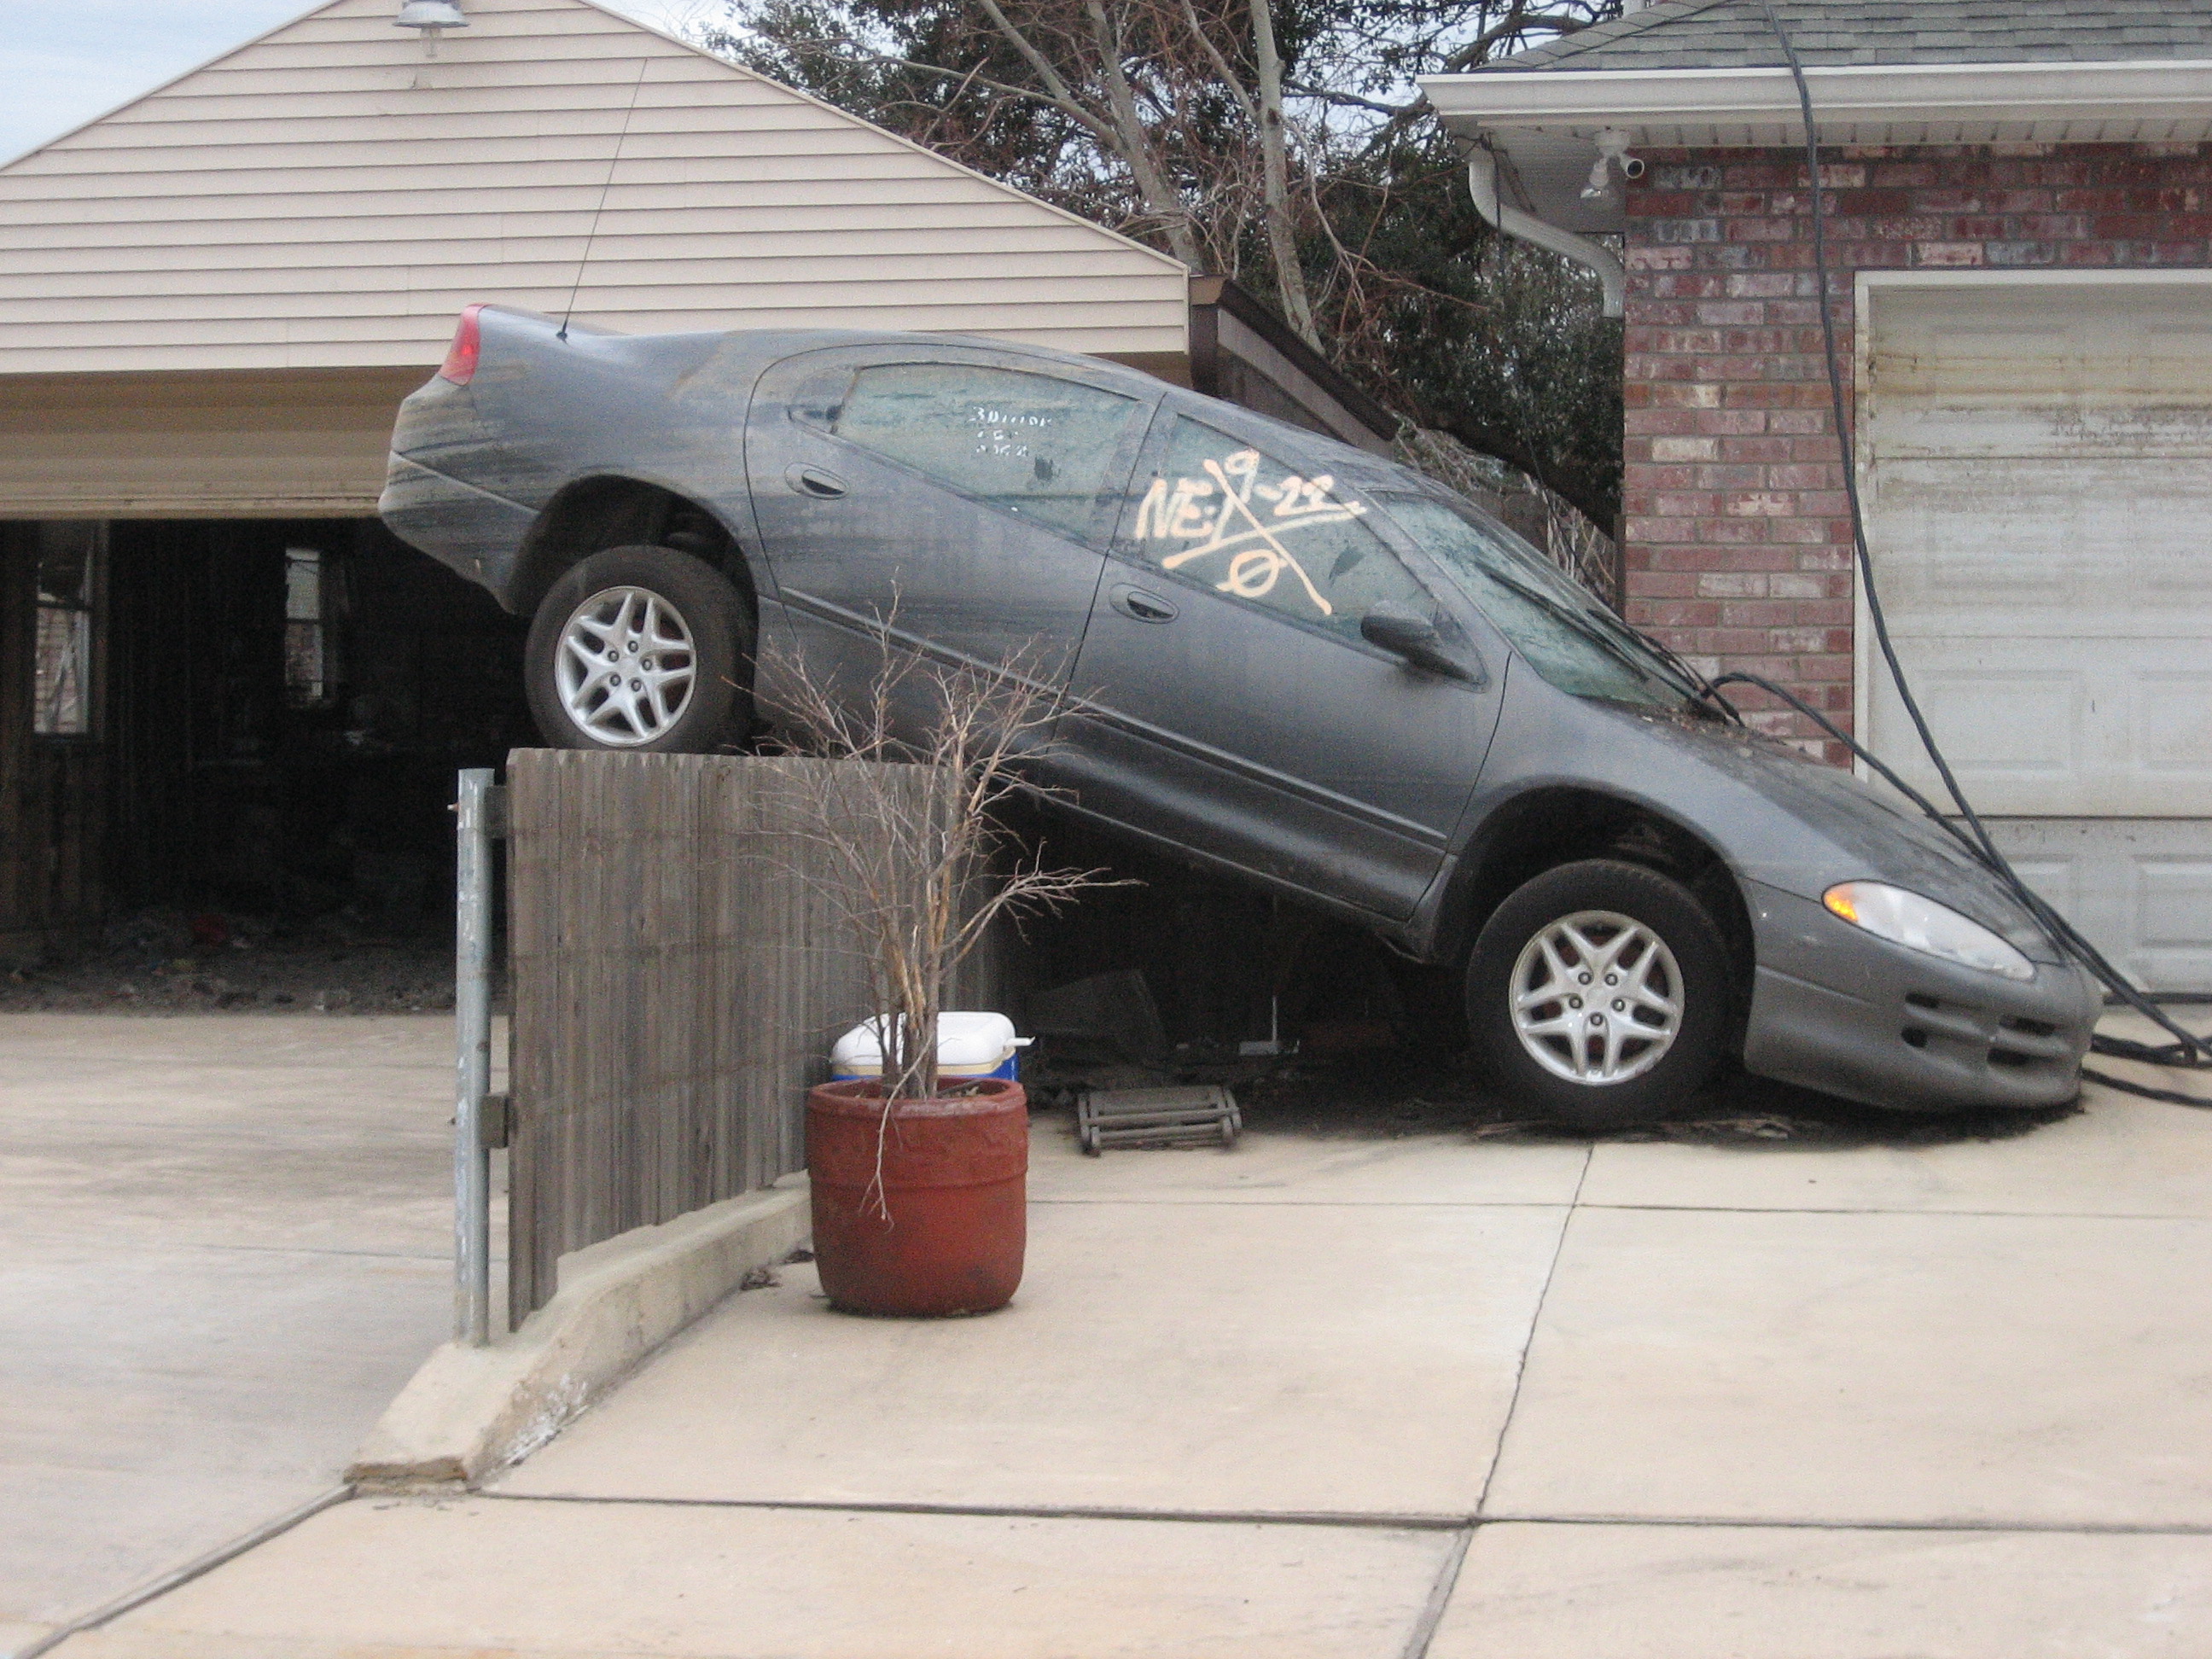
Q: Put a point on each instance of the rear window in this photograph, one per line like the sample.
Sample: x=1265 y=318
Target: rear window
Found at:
x=1033 y=445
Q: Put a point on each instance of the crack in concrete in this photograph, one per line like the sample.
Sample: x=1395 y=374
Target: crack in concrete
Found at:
x=1385 y=1521
x=1375 y=1520
x=1535 y=1321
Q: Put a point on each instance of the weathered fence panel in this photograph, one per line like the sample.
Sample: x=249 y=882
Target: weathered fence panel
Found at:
x=679 y=970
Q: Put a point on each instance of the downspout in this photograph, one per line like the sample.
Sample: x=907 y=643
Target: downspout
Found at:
x=1482 y=184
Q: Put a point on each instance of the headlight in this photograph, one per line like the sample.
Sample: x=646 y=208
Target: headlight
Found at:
x=1920 y=924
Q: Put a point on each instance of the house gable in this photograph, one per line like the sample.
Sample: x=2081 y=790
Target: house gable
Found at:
x=330 y=195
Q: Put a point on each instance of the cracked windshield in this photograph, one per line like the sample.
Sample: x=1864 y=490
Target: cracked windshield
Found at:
x=1566 y=634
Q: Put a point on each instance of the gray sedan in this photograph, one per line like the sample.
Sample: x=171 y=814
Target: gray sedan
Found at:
x=1290 y=661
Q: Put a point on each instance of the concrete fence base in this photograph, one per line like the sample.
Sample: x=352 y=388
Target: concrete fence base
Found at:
x=470 y=1411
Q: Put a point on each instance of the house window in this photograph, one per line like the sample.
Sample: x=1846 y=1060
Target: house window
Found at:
x=70 y=556
x=310 y=665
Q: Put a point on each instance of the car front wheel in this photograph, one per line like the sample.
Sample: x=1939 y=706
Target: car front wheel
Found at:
x=641 y=649
x=1599 y=994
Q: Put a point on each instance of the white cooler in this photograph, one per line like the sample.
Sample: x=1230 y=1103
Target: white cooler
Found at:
x=968 y=1045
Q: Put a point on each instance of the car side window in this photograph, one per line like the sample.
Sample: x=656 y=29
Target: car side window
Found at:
x=1032 y=444
x=1219 y=511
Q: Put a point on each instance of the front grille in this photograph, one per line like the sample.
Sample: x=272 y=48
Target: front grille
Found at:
x=2006 y=1041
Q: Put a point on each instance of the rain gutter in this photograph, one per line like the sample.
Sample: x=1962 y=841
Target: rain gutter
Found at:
x=1482 y=184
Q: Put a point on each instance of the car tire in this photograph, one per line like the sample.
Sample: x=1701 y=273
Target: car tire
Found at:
x=679 y=679
x=1600 y=1054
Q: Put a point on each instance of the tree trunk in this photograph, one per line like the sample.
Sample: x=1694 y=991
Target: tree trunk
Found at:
x=1282 y=236
x=1136 y=143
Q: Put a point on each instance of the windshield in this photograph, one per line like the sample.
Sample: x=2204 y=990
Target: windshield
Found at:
x=1567 y=635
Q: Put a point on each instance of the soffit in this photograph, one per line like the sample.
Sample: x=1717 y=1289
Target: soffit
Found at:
x=1546 y=123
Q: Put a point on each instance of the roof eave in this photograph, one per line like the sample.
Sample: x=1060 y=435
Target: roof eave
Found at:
x=1547 y=120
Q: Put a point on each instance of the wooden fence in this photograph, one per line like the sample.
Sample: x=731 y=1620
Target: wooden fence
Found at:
x=679 y=974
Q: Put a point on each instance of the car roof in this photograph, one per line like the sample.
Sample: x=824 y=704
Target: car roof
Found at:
x=756 y=350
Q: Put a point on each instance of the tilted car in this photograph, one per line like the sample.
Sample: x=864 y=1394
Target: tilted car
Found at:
x=1289 y=660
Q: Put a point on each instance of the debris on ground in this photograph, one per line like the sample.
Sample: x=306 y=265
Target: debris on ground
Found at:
x=1407 y=1092
x=166 y=961
x=176 y=962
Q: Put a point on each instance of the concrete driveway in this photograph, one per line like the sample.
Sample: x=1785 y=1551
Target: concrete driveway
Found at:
x=224 y=1244
x=1451 y=1396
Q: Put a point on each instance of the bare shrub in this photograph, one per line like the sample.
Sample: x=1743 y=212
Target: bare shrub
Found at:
x=922 y=865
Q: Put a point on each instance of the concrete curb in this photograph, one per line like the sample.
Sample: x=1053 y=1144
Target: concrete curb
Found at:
x=471 y=1411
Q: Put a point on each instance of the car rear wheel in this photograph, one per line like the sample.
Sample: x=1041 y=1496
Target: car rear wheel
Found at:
x=643 y=649
x=1599 y=994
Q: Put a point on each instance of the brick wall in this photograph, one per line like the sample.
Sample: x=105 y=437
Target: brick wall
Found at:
x=1737 y=532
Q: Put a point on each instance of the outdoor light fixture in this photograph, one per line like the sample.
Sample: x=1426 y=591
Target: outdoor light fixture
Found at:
x=431 y=17
x=432 y=14
x=1612 y=152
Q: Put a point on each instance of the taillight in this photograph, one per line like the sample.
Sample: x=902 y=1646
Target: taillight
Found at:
x=460 y=364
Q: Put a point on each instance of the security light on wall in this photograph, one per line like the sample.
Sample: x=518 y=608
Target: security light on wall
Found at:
x=431 y=17
x=1612 y=152
x=430 y=14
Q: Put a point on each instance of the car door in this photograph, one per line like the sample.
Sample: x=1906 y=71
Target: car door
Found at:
x=1232 y=706
x=958 y=498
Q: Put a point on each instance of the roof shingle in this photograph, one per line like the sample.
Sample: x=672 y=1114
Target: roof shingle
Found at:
x=1734 y=34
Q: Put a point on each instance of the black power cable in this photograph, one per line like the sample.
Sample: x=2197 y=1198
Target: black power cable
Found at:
x=2188 y=1050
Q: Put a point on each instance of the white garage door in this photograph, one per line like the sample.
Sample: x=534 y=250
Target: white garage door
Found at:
x=2039 y=470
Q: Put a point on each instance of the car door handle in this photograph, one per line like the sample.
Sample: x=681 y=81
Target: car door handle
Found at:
x=813 y=481
x=1137 y=602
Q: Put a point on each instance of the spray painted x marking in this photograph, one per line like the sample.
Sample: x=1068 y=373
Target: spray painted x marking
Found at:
x=1254 y=572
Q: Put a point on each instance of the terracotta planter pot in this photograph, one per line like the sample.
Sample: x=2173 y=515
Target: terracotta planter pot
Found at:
x=944 y=1231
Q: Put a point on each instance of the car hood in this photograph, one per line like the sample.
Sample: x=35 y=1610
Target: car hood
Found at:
x=1796 y=824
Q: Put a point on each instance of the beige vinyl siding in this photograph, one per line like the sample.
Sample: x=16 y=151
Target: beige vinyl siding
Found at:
x=328 y=196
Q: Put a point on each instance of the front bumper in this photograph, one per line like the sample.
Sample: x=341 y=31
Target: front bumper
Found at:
x=1836 y=1009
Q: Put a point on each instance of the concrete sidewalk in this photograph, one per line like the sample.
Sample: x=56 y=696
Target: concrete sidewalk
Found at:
x=1382 y=1397
x=225 y=1242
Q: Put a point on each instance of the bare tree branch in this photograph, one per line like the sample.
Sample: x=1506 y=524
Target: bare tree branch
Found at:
x=1282 y=236
x=919 y=867
x=1136 y=140
x=1229 y=78
x=1352 y=100
x=1068 y=107
x=1022 y=44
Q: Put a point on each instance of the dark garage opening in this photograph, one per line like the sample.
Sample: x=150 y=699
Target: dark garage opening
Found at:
x=289 y=703
x=231 y=742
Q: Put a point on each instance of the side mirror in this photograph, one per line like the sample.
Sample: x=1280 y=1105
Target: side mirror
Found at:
x=1402 y=633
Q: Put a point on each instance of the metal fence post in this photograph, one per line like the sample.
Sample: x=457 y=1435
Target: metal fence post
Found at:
x=476 y=812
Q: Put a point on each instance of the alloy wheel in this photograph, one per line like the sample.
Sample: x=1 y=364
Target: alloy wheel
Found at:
x=625 y=667
x=1596 y=998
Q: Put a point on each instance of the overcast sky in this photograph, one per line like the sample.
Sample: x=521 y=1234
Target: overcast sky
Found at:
x=65 y=62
